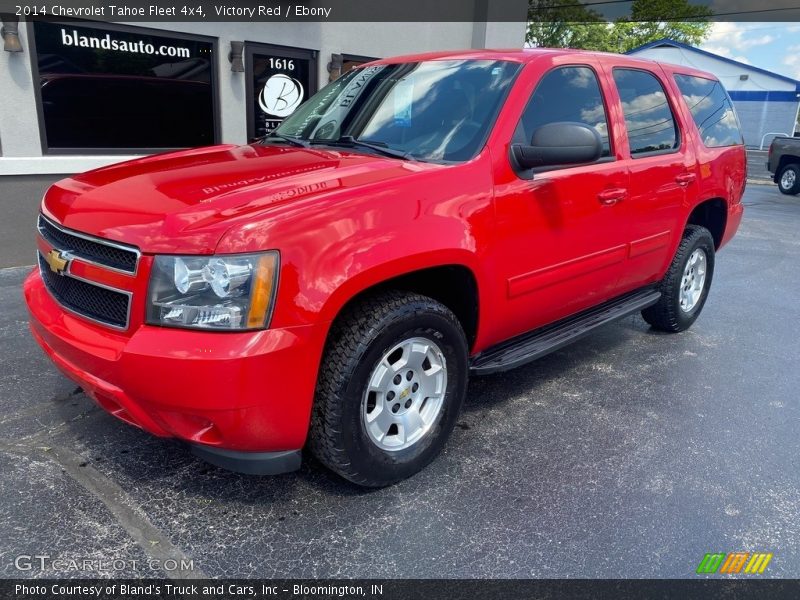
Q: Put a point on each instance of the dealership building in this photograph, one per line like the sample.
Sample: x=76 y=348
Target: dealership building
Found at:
x=82 y=94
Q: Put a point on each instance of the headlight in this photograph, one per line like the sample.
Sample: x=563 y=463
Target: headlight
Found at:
x=228 y=292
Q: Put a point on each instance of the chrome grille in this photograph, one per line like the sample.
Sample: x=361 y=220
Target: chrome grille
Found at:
x=101 y=252
x=90 y=300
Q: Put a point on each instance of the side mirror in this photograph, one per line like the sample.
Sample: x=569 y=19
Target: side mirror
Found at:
x=562 y=143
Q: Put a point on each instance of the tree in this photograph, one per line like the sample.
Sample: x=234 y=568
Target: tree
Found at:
x=564 y=24
x=567 y=24
x=652 y=20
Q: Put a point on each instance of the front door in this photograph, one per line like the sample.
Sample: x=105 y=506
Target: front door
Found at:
x=561 y=242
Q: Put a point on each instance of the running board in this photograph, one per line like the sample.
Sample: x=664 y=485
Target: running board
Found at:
x=535 y=344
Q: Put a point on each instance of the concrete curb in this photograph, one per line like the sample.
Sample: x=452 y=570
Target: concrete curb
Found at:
x=11 y=271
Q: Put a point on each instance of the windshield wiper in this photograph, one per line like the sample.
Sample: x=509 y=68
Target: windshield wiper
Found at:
x=286 y=138
x=348 y=141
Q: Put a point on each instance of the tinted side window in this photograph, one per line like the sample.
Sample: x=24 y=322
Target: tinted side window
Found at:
x=565 y=94
x=711 y=110
x=648 y=117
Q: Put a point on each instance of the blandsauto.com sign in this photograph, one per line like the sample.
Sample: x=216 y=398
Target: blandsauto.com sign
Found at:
x=107 y=42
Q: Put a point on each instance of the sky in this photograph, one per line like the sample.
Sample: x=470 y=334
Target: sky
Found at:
x=771 y=46
x=774 y=46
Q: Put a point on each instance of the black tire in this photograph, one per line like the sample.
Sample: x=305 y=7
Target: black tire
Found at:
x=793 y=189
x=358 y=340
x=667 y=314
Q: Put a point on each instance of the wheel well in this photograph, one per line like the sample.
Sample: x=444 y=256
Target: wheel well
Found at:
x=452 y=285
x=713 y=215
x=786 y=159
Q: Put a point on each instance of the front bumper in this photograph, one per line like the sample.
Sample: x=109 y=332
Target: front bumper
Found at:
x=227 y=393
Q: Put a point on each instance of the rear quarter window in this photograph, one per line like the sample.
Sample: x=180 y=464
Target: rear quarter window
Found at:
x=711 y=110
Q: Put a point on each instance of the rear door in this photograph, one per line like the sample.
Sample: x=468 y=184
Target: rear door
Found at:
x=662 y=167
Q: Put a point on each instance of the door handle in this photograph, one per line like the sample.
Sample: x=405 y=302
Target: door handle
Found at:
x=612 y=196
x=685 y=179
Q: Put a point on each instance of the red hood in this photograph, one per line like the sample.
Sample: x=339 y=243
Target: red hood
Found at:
x=183 y=202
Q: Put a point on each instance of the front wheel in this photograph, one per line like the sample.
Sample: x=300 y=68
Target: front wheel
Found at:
x=685 y=287
x=391 y=385
x=789 y=180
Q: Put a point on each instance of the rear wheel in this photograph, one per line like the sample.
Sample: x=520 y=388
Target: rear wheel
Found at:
x=390 y=388
x=685 y=287
x=789 y=180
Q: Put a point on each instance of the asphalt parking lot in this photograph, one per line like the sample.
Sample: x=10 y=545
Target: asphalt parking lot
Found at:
x=631 y=454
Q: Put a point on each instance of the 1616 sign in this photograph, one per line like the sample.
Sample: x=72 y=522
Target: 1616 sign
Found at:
x=280 y=80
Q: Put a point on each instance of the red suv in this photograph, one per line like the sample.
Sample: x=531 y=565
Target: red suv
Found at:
x=420 y=219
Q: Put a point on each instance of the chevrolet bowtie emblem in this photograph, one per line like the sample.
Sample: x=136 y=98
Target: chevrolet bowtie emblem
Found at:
x=58 y=264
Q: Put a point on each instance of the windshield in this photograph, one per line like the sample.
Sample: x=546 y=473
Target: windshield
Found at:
x=432 y=110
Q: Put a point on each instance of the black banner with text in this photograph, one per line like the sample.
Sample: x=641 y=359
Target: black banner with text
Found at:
x=408 y=10
x=76 y=589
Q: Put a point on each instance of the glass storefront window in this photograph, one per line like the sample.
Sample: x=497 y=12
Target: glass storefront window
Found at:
x=113 y=88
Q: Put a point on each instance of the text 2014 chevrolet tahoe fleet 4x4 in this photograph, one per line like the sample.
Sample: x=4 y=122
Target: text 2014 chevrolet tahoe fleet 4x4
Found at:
x=419 y=219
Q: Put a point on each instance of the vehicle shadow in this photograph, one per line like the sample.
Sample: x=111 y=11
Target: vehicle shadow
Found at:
x=137 y=460
x=528 y=379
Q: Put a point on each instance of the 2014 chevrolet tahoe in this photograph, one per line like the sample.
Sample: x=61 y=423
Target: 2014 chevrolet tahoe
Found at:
x=420 y=219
